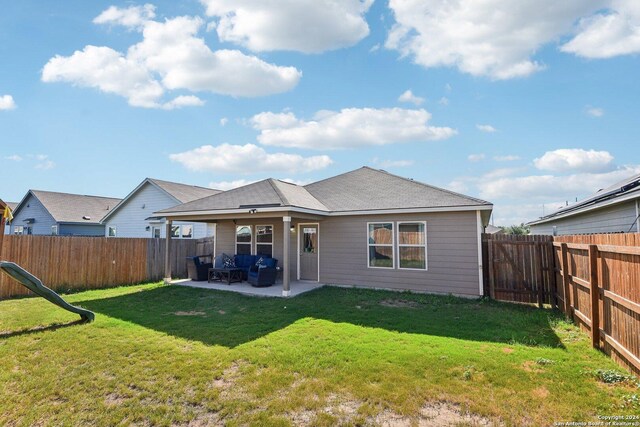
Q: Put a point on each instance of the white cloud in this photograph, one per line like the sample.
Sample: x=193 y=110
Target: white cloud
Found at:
x=224 y=121
x=14 y=158
x=246 y=159
x=475 y=157
x=495 y=38
x=170 y=57
x=408 y=96
x=392 y=163
x=551 y=186
x=444 y=101
x=7 y=102
x=486 y=128
x=348 y=128
x=594 y=111
x=612 y=32
x=130 y=17
x=507 y=158
x=44 y=163
x=309 y=26
x=575 y=159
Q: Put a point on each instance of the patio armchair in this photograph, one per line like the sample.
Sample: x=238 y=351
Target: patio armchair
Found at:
x=198 y=270
x=263 y=275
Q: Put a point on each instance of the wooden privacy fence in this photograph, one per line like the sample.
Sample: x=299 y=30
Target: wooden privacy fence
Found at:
x=64 y=263
x=595 y=281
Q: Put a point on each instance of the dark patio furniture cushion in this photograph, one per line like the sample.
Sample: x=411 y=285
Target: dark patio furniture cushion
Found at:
x=198 y=270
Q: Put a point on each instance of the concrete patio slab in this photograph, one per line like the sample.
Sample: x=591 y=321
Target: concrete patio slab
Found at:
x=297 y=287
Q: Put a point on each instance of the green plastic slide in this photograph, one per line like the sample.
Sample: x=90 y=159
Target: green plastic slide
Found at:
x=35 y=285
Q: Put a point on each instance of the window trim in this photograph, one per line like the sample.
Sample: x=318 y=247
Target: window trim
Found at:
x=392 y=245
x=182 y=231
x=250 y=243
x=263 y=243
x=399 y=245
x=16 y=232
x=54 y=230
x=115 y=231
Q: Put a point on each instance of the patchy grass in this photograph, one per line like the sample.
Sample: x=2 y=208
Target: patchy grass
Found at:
x=168 y=355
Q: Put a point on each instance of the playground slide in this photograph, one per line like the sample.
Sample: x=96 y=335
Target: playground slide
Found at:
x=35 y=285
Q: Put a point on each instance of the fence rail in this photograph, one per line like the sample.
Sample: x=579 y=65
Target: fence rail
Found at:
x=595 y=280
x=65 y=263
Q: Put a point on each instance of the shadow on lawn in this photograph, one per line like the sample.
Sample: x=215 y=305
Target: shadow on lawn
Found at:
x=36 y=329
x=230 y=319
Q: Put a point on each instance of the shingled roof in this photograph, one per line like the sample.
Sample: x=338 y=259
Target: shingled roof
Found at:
x=363 y=189
x=184 y=192
x=65 y=207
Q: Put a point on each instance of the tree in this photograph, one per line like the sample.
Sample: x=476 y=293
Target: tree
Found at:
x=517 y=230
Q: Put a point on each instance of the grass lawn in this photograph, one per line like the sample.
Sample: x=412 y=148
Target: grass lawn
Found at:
x=168 y=355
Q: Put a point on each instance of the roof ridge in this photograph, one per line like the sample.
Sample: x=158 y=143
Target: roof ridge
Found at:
x=428 y=185
x=74 y=194
x=335 y=176
x=283 y=198
x=181 y=183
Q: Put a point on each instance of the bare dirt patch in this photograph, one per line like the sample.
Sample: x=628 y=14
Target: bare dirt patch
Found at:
x=508 y=350
x=531 y=366
x=540 y=392
x=399 y=303
x=190 y=313
x=114 y=399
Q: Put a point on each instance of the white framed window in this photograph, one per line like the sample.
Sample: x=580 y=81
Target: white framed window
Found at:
x=244 y=239
x=175 y=231
x=112 y=231
x=155 y=232
x=18 y=229
x=187 y=231
x=412 y=245
x=54 y=230
x=264 y=240
x=380 y=245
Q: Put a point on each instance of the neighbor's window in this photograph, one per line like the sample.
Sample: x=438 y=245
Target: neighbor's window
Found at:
x=54 y=230
x=264 y=240
x=112 y=231
x=412 y=245
x=187 y=231
x=243 y=240
x=18 y=229
x=175 y=231
x=380 y=244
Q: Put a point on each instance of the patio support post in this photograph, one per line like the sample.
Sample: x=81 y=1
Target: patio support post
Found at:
x=286 y=235
x=167 y=257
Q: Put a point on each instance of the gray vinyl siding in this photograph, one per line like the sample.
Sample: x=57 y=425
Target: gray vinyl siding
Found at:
x=96 y=230
x=32 y=208
x=611 y=219
x=130 y=217
x=452 y=254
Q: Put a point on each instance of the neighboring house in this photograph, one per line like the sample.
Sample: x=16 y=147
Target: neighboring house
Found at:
x=492 y=229
x=50 y=213
x=615 y=209
x=12 y=206
x=134 y=215
x=364 y=228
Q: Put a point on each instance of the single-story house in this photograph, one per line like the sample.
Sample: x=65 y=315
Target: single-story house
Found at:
x=133 y=216
x=615 y=209
x=51 y=213
x=364 y=228
x=12 y=206
x=492 y=229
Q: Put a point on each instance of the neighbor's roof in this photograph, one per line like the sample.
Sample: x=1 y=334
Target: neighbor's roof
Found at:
x=182 y=193
x=12 y=205
x=359 y=190
x=64 y=207
x=621 y=191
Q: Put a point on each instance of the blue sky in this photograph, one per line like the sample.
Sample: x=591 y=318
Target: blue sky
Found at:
x=526 y=104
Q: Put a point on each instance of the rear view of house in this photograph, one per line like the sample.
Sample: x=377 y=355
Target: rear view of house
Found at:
x=51 y=213
x=134 y=215
x=615 y=209
x=365 y=228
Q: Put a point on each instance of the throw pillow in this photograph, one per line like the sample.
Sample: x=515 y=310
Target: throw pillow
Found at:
x=260 y=262
x=228 y=262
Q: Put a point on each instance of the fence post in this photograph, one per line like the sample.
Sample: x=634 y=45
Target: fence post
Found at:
x=595 y=296
x=540 y=280
x=491 y=266
x=565 y=279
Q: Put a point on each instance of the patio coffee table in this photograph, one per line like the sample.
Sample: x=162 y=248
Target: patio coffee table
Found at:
x=229 y=275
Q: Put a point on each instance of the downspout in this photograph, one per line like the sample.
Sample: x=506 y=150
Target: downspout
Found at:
x=480 y=229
